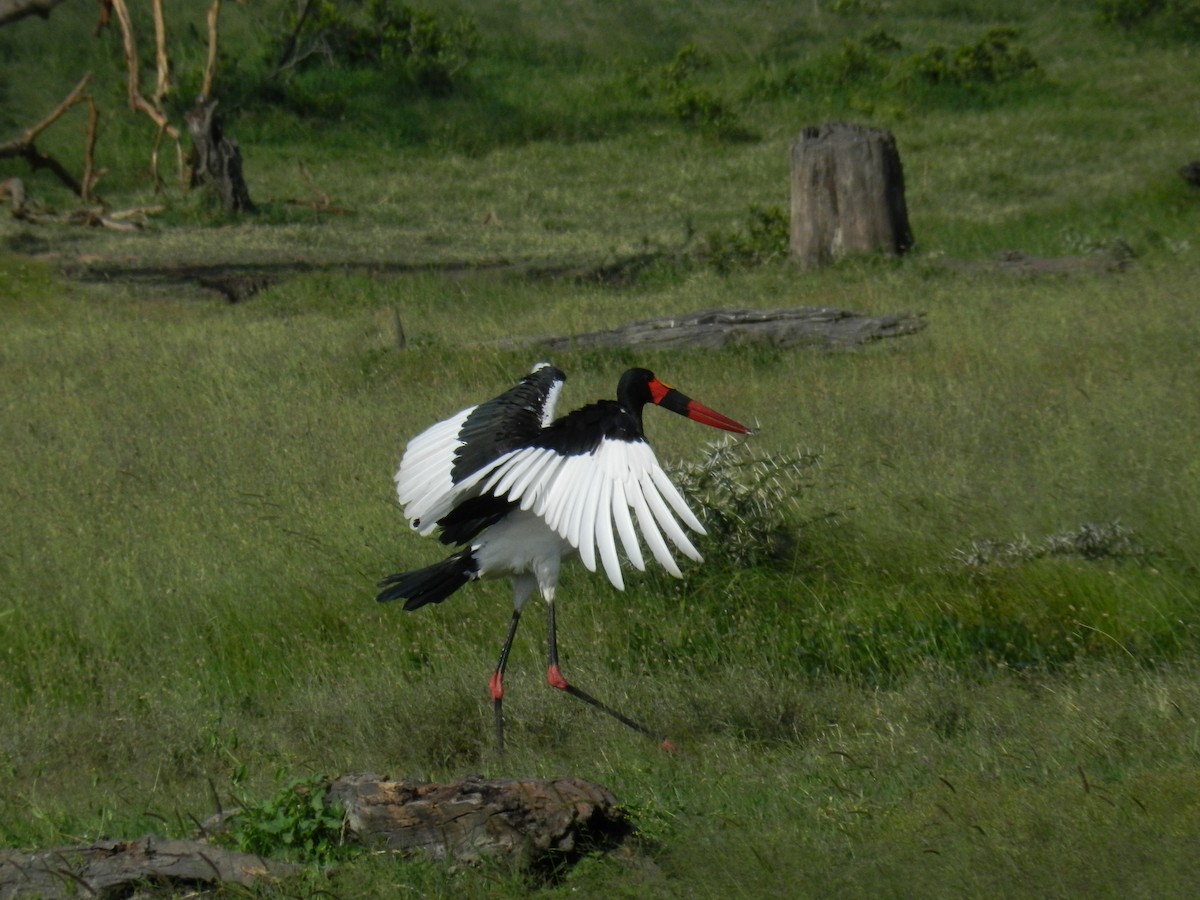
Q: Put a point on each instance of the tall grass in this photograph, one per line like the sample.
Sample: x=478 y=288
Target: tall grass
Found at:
x=197 y=498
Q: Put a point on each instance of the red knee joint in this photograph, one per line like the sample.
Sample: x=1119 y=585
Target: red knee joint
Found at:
x=496 y=686
x=556 y=679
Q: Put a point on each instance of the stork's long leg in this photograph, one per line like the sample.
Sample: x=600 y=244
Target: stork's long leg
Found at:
x=555 y=677
x=497 y=683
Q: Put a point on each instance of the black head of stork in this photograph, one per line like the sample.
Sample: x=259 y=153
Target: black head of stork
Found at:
x=638 y=387
x=519 y=491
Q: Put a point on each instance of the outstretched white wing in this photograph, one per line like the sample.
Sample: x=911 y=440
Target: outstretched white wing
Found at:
x=425 y=477
x=596 y=499
x=443 y=464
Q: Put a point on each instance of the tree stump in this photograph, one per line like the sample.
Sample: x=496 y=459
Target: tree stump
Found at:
x=216 y=158
x=847 y=194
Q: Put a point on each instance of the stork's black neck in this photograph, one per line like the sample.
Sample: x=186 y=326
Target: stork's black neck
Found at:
x=633 y=392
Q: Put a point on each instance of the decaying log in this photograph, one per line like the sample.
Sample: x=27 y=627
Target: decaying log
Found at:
x=820 y=327
x=118 y=868
x=532 y=822
x=847 y=194
x=539 y=824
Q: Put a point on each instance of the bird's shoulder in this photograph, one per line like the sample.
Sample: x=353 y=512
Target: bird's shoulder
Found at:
x=585 y=430
x=507 y=422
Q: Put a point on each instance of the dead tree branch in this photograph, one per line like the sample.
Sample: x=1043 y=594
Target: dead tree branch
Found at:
x=818 y=327
x=120 y=868
x=137 y=101
x=210 y=66
x=23 y=146
x=161 y=63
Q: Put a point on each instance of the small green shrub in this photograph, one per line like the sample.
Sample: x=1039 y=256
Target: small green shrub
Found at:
x=747 y=499
x=295 y=824
x=872 y=69
x=1111 y=540
x=764 y=239
x=993 y=59
x=852 y=62
x=381 y=33
x=694 y=106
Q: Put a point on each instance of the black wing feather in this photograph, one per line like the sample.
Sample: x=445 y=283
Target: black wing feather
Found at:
x=505 y=423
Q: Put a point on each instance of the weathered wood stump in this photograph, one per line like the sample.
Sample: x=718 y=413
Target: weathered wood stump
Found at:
x=847 y=194
x=216 y=158
x=805 y=326
x=535 y=823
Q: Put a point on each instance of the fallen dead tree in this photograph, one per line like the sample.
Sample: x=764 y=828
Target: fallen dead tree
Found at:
x=119 y=868
x=822 y=327
x=531 y=822
x=542 y=825
x=23 y=146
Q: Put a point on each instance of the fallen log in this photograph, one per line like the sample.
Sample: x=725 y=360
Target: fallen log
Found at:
x=534 y=823
x=821 y=327
x=543 y=825
x=119 y=868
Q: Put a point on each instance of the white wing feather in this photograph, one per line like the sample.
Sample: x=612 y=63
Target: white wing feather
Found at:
x=587 y=498
x=616 y=495
x=424 y=478
x=425 y=483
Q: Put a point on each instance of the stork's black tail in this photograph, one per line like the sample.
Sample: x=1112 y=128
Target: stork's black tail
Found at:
x=433 y=584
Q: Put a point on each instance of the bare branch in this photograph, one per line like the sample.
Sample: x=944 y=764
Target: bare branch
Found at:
x=136 y=101
x=90 y=175
x=289 y=48
x=162 y=63
x=210 y=67
x=24 y=148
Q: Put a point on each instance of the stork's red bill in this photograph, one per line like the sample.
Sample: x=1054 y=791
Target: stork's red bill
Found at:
x=519 y=491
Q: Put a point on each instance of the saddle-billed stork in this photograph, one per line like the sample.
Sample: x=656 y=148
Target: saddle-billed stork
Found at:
x=520 y=491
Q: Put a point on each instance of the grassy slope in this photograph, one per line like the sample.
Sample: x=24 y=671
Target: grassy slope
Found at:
x=195 y=510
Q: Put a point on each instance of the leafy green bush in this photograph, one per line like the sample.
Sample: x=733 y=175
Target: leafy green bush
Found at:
x=851 y=62
x=382 y=33
x=873 y=65
x=747 y=499
x=765 y=238
x=295 y=824
x=993 y=59
x=695 y=106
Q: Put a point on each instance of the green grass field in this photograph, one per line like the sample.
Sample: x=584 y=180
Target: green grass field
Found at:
x=970 y=670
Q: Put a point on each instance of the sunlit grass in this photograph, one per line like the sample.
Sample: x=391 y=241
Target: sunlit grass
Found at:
x=197 y=498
